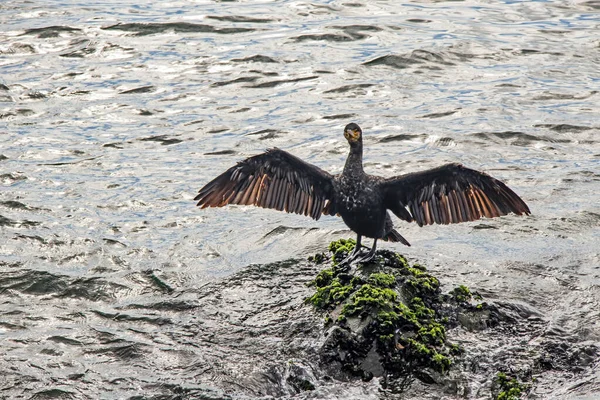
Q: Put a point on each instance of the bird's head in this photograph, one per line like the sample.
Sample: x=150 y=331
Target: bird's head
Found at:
x=353 y=133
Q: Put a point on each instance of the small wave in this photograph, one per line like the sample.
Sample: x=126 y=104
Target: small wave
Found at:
x=50 y=31
x=144 y=29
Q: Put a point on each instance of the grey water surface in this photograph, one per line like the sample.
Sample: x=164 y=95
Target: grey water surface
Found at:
x=114 y=113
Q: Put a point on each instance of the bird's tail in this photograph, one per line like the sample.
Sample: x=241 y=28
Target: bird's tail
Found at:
x=394 y=236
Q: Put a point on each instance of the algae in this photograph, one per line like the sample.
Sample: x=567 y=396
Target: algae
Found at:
x=508 y=388
x=340 y=249
x=386 y=305
x=463 y=294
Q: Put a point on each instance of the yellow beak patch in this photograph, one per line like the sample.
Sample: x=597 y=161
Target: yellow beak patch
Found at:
x=352 y=135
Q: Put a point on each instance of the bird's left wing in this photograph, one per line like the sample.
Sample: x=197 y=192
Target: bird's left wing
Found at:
x=274 y=179
x=449 y=194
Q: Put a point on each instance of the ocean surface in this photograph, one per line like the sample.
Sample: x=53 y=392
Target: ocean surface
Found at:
x=113 y=115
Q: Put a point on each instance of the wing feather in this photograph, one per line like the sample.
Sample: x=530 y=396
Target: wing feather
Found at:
x=450 y=194
x=275 y=179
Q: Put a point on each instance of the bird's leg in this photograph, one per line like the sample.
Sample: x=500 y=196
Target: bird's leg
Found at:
x=369 y=256
x=354 y=253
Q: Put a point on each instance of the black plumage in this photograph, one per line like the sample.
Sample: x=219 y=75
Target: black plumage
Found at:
x=448 y=194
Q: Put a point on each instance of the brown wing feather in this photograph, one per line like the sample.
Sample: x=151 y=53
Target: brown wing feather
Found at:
x=450 y=194
x=275 y=179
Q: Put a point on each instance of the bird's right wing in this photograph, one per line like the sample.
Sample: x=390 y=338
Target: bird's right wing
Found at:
x=274 y=179
x=450 y=194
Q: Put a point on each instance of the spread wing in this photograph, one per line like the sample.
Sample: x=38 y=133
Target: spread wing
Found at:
x=275 y=179
x=450 y=194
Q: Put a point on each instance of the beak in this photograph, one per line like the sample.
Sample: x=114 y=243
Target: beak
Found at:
x=351 y=135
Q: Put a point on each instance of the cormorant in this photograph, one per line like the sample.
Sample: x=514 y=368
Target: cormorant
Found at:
x=448 y=194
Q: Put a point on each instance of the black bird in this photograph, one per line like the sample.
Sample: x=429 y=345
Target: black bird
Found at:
x=448 y=194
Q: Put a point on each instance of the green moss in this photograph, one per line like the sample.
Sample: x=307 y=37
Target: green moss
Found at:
x=403 y=261
x=419 y=267
x=389 y=338
x=456 y=349
x=428 y=355
x=461 y=293
x=510 y=388
x=424 y=284
x=415 y=271
x=318 y=258
x=418 y=347
x=330 y=295
x=369 y=298
x=381 y=279
x=340 y=248
x=407 y=314
x=433 y=333
x=387 y=319
x=323 y=278
x=421 y=311
x=441 y=362
x=400 y=300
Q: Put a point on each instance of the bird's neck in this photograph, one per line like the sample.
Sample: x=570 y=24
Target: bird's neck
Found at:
x=354 y=164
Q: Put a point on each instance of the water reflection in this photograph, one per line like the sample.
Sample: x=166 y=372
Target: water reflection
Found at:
x=113 y=115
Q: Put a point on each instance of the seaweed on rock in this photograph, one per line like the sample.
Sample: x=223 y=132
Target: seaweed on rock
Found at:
x=384 y=318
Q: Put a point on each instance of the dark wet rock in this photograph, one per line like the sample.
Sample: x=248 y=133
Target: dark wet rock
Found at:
x=386 y=319
x=53 y=394
x=560 y=355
